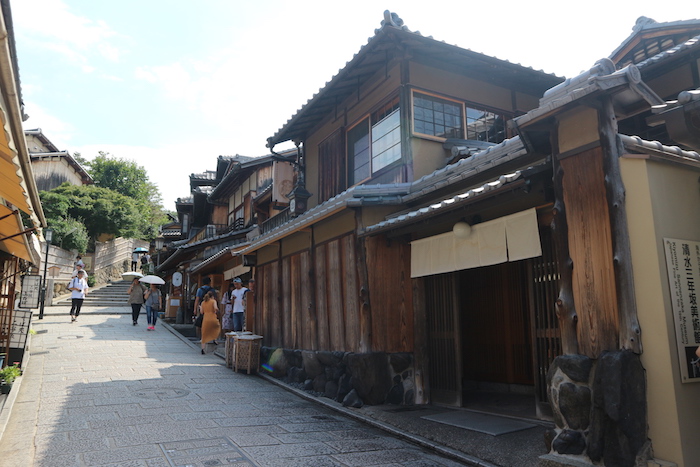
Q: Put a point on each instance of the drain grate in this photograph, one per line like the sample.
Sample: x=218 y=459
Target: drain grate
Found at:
x=70 y=337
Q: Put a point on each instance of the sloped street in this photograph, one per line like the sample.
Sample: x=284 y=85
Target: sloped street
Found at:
x=102 y=392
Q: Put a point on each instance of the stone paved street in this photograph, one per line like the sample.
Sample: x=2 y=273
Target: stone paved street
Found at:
x=102 y=392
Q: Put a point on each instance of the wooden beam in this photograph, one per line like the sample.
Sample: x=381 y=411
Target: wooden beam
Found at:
x=565 y=307
x=630 y=334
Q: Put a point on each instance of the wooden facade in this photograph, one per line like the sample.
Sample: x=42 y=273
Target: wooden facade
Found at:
x=321 y=303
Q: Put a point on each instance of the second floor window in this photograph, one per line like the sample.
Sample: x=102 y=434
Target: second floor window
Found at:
x=374 y=143
x=443 y=118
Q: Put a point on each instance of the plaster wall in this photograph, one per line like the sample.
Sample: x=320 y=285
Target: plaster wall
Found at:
x=461 y=87
x=334 y=227
x=577 y=128
x=662 y=201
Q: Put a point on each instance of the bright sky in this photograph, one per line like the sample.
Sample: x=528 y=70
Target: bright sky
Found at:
x=172 y=84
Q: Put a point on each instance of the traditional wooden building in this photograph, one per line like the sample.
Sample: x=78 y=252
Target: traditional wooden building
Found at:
x=226 y=205
x=444 y=251
x=405 y=108
x=51 y=166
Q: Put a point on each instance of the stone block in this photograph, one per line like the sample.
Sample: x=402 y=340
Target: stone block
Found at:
x=370 y=376
x=575 y=405
x=312 y=365
x=576 y=367
x=569 y=442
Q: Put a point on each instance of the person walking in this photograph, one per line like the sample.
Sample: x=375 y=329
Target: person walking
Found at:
x=227 y=305
x=210 y=320
x=79 y=288
x=201 y=292
x=136 y=299
x=134 y=261
x=152 y=302
x=239 y=304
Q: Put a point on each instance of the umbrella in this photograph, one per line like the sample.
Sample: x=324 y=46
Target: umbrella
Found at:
x=130 y=276
x=151 y=279
x=140 y=250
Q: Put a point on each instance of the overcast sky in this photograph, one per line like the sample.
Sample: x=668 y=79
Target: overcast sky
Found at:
x=172 y=84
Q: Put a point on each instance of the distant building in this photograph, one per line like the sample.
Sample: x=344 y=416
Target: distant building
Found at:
x=52 y=167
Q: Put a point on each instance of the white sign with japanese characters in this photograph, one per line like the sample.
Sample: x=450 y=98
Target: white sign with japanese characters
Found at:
x=683 y=267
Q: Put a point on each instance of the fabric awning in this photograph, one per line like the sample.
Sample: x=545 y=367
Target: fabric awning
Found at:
x=12 y=238
x=508 y=238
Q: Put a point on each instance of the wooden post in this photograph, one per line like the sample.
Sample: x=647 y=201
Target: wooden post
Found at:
x=565 y=308
x=630 y=331
x=363 y=282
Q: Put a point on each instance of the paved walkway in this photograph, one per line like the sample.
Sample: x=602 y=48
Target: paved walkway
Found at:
x=132 y=391
x=102 y=392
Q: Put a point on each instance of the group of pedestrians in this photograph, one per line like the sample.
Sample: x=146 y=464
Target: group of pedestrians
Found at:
x=211 y=320
x=150 y=297
x=146 y=267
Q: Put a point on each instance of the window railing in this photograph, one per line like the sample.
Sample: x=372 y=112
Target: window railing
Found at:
x=237 y=224
x=272 y=223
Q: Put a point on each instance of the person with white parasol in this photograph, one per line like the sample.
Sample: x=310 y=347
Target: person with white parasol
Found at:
x=152 y=299
x=136 y=292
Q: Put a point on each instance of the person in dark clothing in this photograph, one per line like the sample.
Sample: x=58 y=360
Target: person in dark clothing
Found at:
x=136 y=291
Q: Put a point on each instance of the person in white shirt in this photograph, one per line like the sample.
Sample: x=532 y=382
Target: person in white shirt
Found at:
x=134 y=261
x=239 y=304
x=79 y=268
x=79 y=288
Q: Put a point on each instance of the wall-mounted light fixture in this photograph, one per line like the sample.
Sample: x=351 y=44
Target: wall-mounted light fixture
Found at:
x=462 y=230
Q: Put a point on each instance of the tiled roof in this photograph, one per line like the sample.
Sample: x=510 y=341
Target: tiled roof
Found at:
x=666 y=54
x=637 y=144
x=207 y=175
x=508 y=150
x=442 y=206
x=390 y=193
x=366 y=62
x=644 y=24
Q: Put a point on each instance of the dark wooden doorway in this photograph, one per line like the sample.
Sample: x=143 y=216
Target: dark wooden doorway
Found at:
x=445 y=367
x=495 y=324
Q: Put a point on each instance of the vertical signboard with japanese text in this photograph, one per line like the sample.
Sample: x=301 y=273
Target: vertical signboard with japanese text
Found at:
x=683 y=267
x=31 y=291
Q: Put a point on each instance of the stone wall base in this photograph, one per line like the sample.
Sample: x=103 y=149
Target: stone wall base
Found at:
x=353 y=379
x=600 y=411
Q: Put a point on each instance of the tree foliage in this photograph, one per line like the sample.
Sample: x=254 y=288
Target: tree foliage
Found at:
x=100 y=210
x=69 y=233
x=131 y=180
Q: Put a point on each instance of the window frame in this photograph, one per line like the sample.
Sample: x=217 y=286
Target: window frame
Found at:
x=367 y=118
x=464 y=106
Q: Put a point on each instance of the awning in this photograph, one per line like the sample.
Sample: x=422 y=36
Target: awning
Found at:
x=235 y=272
x=508 y=238
x=13 y=235
x=12 y=186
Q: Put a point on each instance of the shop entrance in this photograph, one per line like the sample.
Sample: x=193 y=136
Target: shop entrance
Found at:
x=492 y=332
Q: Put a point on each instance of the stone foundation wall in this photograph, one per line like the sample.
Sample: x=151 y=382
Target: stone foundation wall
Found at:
x=353 y=379
x=112 y=272
x=599 y=409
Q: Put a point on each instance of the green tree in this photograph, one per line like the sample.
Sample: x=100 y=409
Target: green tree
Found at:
x=100 y=210
x=69 y=233
x=130 y=179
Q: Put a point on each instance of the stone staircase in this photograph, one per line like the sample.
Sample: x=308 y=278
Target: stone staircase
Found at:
x=112 y=294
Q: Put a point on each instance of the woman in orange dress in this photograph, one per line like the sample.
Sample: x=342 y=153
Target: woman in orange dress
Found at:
x=210 y=321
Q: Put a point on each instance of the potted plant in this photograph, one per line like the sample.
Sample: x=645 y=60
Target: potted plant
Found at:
x=8 y=375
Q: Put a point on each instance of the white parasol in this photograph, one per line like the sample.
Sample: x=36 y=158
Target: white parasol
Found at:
x=130 y=276
x=151 y=279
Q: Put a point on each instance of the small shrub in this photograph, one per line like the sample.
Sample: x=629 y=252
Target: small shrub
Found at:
x=10 y=373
